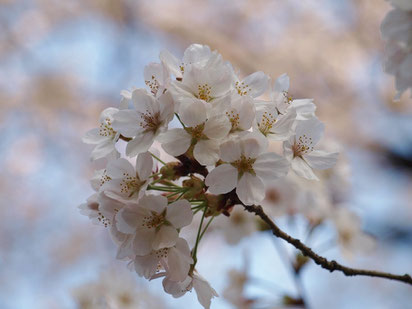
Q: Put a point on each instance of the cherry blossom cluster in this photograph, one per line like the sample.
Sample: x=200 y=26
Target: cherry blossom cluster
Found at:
x=396 y=30
x=196 y=140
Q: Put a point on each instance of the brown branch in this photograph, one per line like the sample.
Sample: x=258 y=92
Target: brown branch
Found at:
x=323 y=262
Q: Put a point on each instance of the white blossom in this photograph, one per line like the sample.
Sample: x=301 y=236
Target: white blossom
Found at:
x=104 y=137
x=153 y=223
x=299 y=149
x=351 y=238
x=272 y=125
x=150 y=117
x=124 y=181
x=204 y=133
x=156 y=78
x=241 y=113
x=195 y=54
x=203 y=289
x=247 y=168
x=396 y=29
x=209 y=82
x=175 y=260
x=252 y=85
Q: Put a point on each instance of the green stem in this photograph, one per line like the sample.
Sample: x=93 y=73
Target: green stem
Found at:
x=194 y=254
x=178 y=118
x=154 y=175
x=158 y=159
x=207 y=225
x=165 y=189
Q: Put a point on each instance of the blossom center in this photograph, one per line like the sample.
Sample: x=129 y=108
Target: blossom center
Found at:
x=130 y=184
x=266 y=123
x=153 y=84
x=242 y=89
x=153 y=221
x=150 y=122
x=234 y=119
x=197 y=131
x=288 y=98
x=203 y=92
x=104 y=178
x=106 y=128
x=302 y=146
x=244 y=165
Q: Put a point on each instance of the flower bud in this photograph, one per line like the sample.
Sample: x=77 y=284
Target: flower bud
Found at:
x=169 y=171
x=194 y=186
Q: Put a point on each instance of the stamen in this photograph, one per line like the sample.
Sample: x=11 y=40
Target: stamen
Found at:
x=242 y=89
x=106 y=128
x=302 y=146
x=203 y=92
x=266 y=123
x=234 y=119
x=150 y=122
x=153 y=221
x=244 y=165
x=153 y=84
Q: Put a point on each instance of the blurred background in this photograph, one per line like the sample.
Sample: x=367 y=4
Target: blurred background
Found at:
x=63 y=62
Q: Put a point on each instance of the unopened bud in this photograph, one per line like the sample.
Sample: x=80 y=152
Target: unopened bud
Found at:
x=194 y=186
x=169 y=171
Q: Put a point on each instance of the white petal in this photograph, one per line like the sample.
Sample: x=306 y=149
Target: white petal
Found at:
x=156 y=70
x=250 y=189
x=217 y=127
x=270 y=166
x=204 y=291
x=304 y=106
x=176 y=289
x=125 y=249
x=171 y=62
x=230 y=151
x=192 y=112
x=105 y=149
x=321 y=160
x=146 y=265
x=302 y=169
x=93 y=137
x=156 y=203
x=143 y=240
x=282 y=83
x=126 y=220
x=251 y=146
x=257 y=82
x=246 y=113
x=222 y=179
x=144 y=165
x=287 y=148
x=196 y=53
x=117 y=168
x=179 y=213
x=127 y=122
x=175 y=141
x=144 y=102
x=184 y=251
x=206 y=152
x=141 y=143
x=165 y=237
x=311 y=129
x=178 y=268
x=166 y=106
x=282 y=128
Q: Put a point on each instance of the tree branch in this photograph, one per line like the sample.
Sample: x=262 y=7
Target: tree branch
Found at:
x=323 y=262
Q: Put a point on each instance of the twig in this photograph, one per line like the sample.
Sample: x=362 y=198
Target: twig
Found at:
x=323 y=262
